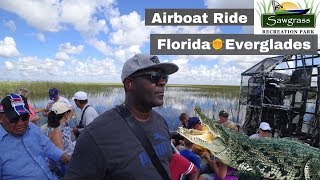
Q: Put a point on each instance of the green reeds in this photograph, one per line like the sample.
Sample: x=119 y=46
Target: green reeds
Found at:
x=40 y=89
x=313 y=8
x=264 y=7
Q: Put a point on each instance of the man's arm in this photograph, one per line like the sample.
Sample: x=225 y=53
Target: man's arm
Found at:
x=65 y=158
x=36 y=110
x=47 y=109
x=87 y=160
x=50 y=150
x=45 y=113
x=219 y=168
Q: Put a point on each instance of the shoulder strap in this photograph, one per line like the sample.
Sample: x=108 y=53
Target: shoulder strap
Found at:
x=81 y=123
x=140 y=134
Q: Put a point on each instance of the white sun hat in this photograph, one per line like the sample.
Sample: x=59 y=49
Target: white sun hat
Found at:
x=80 y=95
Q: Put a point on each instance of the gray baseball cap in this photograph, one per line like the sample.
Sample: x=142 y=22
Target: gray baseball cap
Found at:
x=146 y=61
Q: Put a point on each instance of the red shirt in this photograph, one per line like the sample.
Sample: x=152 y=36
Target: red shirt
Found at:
x=180 y=166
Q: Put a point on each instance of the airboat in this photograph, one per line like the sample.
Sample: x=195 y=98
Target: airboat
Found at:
x=283 y=91
x=277 y=8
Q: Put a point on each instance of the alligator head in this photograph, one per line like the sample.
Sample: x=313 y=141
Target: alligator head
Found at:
x=272 y=158
x=216 y=138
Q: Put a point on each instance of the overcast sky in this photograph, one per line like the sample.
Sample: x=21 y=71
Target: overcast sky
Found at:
x=89 y=40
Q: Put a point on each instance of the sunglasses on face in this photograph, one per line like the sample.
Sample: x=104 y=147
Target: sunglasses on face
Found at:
x=152 y=76
x=23 y=117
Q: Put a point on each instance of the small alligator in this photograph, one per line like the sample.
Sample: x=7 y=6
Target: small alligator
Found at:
x=272 y=158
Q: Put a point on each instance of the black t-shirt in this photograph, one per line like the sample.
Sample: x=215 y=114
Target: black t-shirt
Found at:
x=108 y=149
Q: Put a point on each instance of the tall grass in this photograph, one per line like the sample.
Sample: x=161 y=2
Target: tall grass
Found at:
x=42 y=88
x=264 y=7
x=313 y=8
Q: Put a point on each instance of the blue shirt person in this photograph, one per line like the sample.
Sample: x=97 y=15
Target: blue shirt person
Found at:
x=23 y=146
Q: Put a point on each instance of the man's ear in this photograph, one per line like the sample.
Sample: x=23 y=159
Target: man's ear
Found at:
x=128 y=83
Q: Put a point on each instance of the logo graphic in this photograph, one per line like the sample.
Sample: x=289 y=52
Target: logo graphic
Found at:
x=287 y=8
x=217 y=44
x=286 y=17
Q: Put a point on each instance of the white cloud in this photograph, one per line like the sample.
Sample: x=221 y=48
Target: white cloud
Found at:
x=66 y=49
x=182 y=63
x=101 y=46
x=38 y=69
x=93 y=67
x=237 y=4
x=41 y=37
x=81 y=14
x=129 y=30
x=62 y=56
x=40 y=14
x=8 y=48
x=220 y=70
x=123 y=53
x=10 y=25
x=50 y=15
x=224 y=59
x=88 y=17
x=203 y=74
x=8 y=65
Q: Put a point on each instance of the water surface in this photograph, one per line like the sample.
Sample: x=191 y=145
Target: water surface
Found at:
x=177 y=100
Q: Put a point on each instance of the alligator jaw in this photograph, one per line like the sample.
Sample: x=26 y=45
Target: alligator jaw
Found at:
x=206 y=139
x=203 y=135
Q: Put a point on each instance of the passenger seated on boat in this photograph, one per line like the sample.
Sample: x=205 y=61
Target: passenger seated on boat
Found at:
x=189 y=154
x=194 y=123
x=54 y=95
x=88 y=113
x=33 y=111
x=221 y=170
x=181 y=167
x=224 y=121
x=263 y=131
x=184 y=119
x=177 y=141
x=23 y=146
x=60 y=133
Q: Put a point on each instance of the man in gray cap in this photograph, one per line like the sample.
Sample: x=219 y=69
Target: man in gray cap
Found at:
x=108 y=148
x=224 y=121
